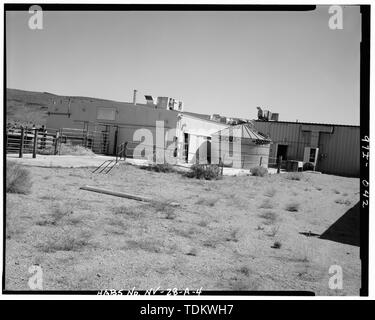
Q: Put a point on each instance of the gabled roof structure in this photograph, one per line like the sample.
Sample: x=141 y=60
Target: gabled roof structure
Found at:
x=245 y=131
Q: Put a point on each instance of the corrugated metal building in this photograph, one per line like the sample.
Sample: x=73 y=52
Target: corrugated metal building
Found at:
x=337 y=146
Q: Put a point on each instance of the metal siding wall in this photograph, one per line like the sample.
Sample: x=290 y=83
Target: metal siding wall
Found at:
x=287 y=133
x=342 y=146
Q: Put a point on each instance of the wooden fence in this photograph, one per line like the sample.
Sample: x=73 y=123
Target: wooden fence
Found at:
x=36 y=141
x=31 y=140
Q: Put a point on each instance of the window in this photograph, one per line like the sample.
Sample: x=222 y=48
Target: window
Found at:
x=312 y=155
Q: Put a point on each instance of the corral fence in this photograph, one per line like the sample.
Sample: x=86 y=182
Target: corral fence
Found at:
x=48 y=141
x=31 y=140
x=97 y=141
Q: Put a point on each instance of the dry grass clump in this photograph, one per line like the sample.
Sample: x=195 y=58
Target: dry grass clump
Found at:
x=66 y=240
x=203 y=223
x=292 y=206
x=233 y=236
x=269 y=217
x=192 y=252
x=58 y=212
x=270 y=192
x=149 y=245
x=164 y=207
x=160 y=167
x=129 y=211
x=266 y=204
x=189 y=233
x=75 y=150
x=207 y=172
x=18 y=179
x=244 y=270
x=211 y=242
x=294 y=176
x=276 y=245
x=259 y=171
x=273 y=231
x=210 y=202
x=343 y=201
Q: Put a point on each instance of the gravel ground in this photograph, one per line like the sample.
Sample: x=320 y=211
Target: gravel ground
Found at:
x=222 y=237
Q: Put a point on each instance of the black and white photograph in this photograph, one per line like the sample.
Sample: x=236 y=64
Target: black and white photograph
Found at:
x=185 y=151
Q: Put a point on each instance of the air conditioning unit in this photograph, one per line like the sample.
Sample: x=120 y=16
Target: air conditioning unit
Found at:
x=311 y=155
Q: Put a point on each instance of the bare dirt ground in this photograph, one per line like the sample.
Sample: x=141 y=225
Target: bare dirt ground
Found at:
x=225 y=235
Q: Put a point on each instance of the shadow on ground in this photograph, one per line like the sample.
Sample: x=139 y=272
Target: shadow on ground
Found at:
x=346 y=229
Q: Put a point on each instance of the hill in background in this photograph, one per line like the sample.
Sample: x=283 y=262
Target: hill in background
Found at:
x=28 y=107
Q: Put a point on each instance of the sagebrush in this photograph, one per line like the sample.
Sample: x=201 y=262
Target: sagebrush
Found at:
x=160 y=167
x=259 y=171
x=202 y=171
x=18 y=179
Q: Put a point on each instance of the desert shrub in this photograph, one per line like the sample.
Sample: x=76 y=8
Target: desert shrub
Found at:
x=18 y=179
x=268 y=216
x=74 y=150
x=273 y=231
x=192 y=252
x=245 y=271
x=266 y=204
x=210 y=202
x=208 y=172
x=259 y=171
x=160 y=167
x=129 y=211
x=149 y=245
x=277 y=245
x=292 y=207
x=66 y=240
x=203 y=223
x=308 y=166
x=58 y=212
x=294 y=176
x=233 y=236
x=343 y=201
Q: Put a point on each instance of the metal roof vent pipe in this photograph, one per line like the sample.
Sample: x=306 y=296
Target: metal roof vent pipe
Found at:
x=135 y=97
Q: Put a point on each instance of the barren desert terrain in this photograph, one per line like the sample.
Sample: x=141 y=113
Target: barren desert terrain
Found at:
x=236 y=233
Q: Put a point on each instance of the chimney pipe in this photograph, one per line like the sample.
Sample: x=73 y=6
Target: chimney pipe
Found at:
x=135 y=97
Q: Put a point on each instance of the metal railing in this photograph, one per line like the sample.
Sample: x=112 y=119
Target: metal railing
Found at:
x=108 y=165
x=31 y=140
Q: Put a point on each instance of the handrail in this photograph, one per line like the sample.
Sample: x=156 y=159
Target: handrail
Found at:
x=100 y=166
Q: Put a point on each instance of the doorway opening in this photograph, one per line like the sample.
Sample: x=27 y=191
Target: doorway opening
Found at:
x=186 y=147
x=282 y=150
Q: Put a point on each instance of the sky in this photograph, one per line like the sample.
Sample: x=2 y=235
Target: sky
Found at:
x=229 y=63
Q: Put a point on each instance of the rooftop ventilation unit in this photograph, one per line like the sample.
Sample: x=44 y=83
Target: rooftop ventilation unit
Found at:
x=169 y=104
x=150 y=100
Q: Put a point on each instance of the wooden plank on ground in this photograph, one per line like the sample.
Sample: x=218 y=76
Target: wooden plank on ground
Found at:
x=123 y=195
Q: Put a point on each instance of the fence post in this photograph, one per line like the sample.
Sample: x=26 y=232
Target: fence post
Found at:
x=124 y=150
x=56 y=142
x=279 y=163
x=21 y=143
x=44 y=138
x=35 y=142
x=60 y=139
